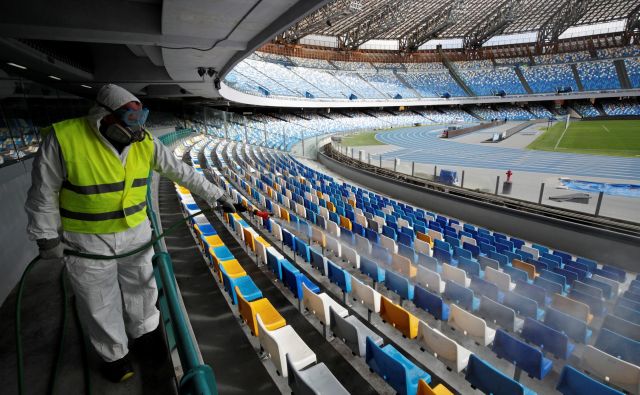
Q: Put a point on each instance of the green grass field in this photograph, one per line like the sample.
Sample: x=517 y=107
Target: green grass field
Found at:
x=613 y=138
x=360 y=139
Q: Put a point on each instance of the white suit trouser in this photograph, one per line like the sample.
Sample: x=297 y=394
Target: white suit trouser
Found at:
x=103 y=287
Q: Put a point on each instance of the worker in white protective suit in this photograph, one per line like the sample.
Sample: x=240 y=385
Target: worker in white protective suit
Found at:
x=88 y=193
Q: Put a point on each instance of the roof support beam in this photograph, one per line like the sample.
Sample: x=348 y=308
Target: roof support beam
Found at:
x=429 y=27
x=570 y=13
x=380 y=21
x=325 y=16
x=493 y=23
x=632 y=28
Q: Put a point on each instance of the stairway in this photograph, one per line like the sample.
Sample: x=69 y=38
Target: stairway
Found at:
x=456 y=76
x=406 y=84
x=621 y=70
x=523 y=80
x=576 y=76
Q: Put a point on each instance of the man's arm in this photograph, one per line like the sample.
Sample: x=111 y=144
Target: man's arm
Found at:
x=169 y=166
x=47 y=176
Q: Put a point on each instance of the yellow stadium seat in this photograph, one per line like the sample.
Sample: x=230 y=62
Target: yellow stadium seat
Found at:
x=331 y=207
x=424 y=389
x=233 y=269
x=213 y=241
x=248 y=239
x=425 y=238
x=345 y=222
x=400 y=318
x=271 y=319
x=284 y=214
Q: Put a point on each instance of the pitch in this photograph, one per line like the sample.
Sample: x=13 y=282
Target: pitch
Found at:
x=612 y=138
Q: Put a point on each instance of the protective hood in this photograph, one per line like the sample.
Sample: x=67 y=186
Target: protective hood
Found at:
x=112 y=96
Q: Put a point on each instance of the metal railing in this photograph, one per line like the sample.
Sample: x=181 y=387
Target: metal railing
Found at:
x=198 y=377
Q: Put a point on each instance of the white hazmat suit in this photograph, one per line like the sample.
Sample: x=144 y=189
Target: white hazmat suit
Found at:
x=105 y=289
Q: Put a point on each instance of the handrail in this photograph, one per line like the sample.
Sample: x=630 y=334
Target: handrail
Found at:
x=198 y=377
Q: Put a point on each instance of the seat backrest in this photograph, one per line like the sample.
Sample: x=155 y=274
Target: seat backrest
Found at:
x=482 y=287
x=498 y=313
x=528 y=358
x=463 y=320
x=615 y=286
x=459 y=294
x=575 y=328
x=400 y=318
x=615 y=370
x=515 y=273
x=401 y=264
x=371 y=269
x=571 y=307
x=317 y=235
x=350 y=255
x=438 y=343
x=532 y=251
x=500 y=279
x=532 y=291
x=339 y=276
x=431 y=303
x=488 y=262
x=621 y=326
x=596 y=305
x=574 y=382
x=588 y=289
x=490 y=380
x=365 y=295
x=471 y=267
x=547 y=338
x=397 y=283
x=619 y=346
x=428 y=278
x=521 y=304
x=334 y=245
x=388 y=243
x=454 y=274
x=386 y=366
x=344 y=330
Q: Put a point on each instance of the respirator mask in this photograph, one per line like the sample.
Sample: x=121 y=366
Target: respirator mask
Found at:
x=130 y=126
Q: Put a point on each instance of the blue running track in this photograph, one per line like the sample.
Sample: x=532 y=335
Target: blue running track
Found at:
x=423 y=145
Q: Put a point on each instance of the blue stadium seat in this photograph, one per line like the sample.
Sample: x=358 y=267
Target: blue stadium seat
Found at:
x=475 y=251
x=568 y=275
x=302 y=249
x=555 y=277
x=400 y=373
x=317 y=261
x=294 y=280
x=399 y=284
x=552 y=287
x=565 y=323
x=339 y=276
x=486 y=288
x=468 y=265
x=371 y=269
x=547 y=338
x=588 y=262
x=502 y=259
x=524 y=356
x=431 y=303
x=597 y=305
x=515 y=273
x=463 y=297
x=442 y=255
x=574 y=382
x=490 y=380
x=533 y=291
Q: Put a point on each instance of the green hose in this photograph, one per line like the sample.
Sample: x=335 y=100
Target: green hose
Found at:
x=18 y=315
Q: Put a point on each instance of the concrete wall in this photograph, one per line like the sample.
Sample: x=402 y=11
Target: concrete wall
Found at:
x=586 y=241
x=16 y=250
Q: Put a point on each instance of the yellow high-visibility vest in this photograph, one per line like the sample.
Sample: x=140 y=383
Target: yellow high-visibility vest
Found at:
x=100 y=194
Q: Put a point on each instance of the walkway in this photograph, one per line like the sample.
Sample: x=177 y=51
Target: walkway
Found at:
x=423 y=145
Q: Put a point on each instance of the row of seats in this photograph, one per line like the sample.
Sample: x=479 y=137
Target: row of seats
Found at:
x=290 y=355
x=554 y=313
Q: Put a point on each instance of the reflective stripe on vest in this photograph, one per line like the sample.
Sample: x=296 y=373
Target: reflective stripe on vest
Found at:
x=100 y=195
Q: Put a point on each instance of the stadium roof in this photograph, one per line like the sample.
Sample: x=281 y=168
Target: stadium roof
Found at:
x=414 y=22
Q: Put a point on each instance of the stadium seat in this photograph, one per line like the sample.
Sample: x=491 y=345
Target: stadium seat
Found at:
x=523 y=306
x=430 y=279
x=490 y=380
x=400 y=373
x=588 y=289
x=470 y=325
x=249 y=310
x=612 y=370
x=573 y=382
x=318 y=305
x=399 y=284
x=399 y=318
x=500 y=314
x=596 y=305
x=366 y=295
x=572 y=307
x=454 y=356
x=352 y=332
x=403 y=265
x=456 y=275
x=485 y=288
x=350 y=255
x=279 y=342
x=524 y=356
x=502 y=280
x=431 y=303
x=573 y=327
x=619 y=346
x=293 y=280
x=246 y=285
x=316 y=379
x=461 y=296
x=622 y=327
x=547 y=338
x=371 y=269
x=424 y=389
